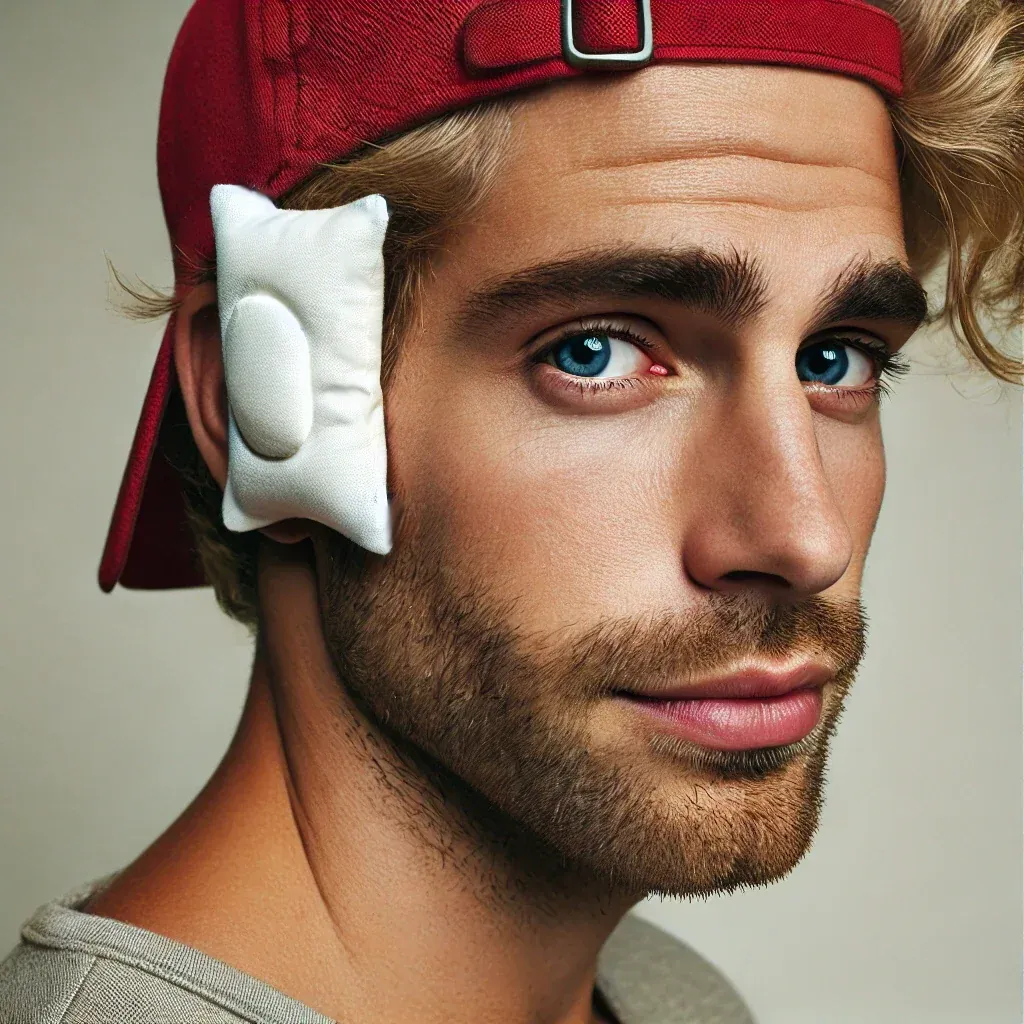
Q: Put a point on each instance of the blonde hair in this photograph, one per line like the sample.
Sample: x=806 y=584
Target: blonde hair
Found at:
x=960 y=125
x=960 y=131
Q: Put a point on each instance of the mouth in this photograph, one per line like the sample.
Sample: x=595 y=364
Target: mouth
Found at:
x=749 y=709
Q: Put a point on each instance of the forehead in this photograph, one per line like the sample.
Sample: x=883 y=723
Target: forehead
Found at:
x=796 y=168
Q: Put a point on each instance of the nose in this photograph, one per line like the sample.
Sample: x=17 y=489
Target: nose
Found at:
x=761 y=512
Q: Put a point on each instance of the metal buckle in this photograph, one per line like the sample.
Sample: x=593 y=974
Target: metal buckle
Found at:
x=609 y=61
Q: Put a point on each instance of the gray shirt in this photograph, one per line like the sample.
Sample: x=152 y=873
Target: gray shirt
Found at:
x=77 y=968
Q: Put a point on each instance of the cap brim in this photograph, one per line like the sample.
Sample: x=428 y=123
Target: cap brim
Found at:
x=149 y=546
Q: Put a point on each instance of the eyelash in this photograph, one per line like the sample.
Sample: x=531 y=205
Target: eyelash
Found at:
x=889 y=366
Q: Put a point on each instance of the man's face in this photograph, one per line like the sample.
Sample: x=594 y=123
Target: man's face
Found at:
x=634 y=438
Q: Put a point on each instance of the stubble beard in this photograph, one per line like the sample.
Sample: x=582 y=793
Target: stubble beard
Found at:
x=485 y=732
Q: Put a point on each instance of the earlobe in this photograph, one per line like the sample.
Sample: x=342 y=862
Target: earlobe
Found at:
x=289 y=531
x=200 y=369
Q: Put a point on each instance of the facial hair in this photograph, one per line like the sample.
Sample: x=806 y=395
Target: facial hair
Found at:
x=490 y=733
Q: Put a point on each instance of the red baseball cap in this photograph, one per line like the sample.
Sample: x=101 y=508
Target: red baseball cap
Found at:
x=260 y=92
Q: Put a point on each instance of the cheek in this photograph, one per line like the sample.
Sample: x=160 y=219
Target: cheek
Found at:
x=568 y=516
x=578 y=518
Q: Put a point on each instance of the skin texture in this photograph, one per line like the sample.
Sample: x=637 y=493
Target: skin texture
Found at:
x=373 y=803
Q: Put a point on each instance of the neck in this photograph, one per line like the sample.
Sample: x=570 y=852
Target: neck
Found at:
x=388 y=899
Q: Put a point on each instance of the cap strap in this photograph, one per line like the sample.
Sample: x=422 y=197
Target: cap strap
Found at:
x=846 y=36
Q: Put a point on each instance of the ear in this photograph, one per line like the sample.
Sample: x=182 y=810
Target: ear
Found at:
x=200 y=368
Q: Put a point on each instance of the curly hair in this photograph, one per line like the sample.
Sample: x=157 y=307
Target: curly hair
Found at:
x=959 y=129
x=960 y=125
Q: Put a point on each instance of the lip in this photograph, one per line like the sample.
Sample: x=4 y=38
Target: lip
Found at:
x=752 y=708
x=749 y=681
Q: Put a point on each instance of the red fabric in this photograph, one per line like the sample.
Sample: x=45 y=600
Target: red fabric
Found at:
x=831 y=35
x=141 y=549
x=258 y=92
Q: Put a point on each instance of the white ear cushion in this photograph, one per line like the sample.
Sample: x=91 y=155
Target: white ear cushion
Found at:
x=301 y=296
x=269 y=377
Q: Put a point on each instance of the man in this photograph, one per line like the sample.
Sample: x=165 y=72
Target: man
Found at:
x=636 y=324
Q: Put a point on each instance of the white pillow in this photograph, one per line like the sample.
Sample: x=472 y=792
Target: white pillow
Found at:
x=301 y=297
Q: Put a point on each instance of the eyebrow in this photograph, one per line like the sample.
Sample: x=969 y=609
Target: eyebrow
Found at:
x=729 y=286
x=873 y=291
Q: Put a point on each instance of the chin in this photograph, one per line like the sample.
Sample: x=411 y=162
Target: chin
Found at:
x=710 y=832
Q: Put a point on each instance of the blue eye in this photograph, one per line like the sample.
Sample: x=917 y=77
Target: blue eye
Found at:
x=598 y=353
x=583 y=355
x=834 y=363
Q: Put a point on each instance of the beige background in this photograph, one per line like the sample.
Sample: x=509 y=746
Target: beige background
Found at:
x=113 y=710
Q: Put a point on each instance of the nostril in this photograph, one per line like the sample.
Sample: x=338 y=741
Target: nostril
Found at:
x=748 y=576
